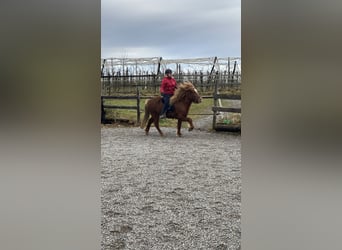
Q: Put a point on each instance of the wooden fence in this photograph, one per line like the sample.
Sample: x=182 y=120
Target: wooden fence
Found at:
x=216 y=109
x=130 y=97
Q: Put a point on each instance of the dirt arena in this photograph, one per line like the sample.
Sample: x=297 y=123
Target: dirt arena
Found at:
x=170 y=192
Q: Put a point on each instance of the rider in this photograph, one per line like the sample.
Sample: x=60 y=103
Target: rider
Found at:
x=167 y=89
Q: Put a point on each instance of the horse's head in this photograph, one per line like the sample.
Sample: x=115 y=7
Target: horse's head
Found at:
x=196 y=97
x=186 y=91
x=193 y=94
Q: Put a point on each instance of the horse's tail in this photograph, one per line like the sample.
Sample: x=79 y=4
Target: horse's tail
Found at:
x=146 y=115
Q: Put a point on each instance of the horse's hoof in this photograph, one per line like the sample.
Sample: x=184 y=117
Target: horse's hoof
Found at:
x=179 y=135
x=190 y=129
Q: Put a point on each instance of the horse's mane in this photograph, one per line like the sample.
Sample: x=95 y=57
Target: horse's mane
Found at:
x=181 y=92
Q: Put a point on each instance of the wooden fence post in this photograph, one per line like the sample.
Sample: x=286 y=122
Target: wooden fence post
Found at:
x=103 y=114
x=211 y=71
x=215 y=104
x=138 y=106
x=235 y=63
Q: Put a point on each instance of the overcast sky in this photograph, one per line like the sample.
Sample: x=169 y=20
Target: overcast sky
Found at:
x=170 y=29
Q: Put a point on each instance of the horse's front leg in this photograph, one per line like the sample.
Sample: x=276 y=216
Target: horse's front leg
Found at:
x=191 y=125
x=179 y=126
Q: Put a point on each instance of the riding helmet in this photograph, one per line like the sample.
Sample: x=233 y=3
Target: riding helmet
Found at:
x=168 y=71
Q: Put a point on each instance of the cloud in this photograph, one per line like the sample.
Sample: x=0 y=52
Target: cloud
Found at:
x=174 y=29
x=131 y=52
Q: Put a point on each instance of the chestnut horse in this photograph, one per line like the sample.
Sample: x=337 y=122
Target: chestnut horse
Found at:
x=180 y=104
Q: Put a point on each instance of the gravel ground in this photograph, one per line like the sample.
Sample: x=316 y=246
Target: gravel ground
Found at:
x=170 y=192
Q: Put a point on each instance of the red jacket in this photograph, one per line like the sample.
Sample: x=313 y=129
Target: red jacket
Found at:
x=168 y=85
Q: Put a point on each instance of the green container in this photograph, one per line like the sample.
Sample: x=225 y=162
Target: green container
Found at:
x=227 y=121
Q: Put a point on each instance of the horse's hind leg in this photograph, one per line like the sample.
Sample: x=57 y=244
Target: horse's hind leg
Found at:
x=147 y=129
x=156 y=124
x=179 y=126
